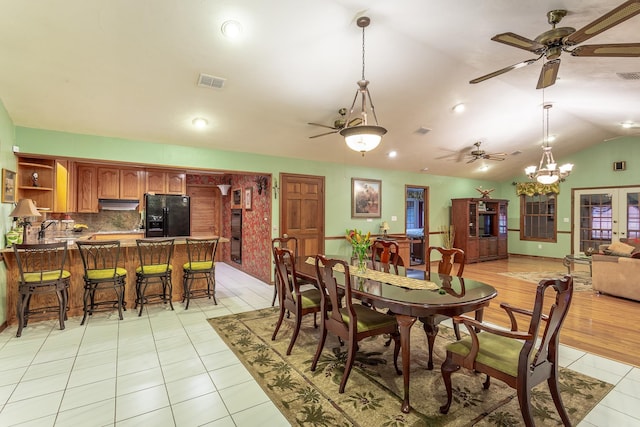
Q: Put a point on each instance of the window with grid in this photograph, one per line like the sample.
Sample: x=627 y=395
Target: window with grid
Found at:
x=538 y=217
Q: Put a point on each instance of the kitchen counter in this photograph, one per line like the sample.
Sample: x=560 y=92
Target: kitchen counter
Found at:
x=128 y=260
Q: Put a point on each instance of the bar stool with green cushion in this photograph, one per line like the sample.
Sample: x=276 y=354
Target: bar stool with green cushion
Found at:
x=155 y=268
x=102 y=273
x=41 y=271
x=201 y=265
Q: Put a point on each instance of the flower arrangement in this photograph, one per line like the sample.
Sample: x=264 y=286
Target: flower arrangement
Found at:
x=360 y=244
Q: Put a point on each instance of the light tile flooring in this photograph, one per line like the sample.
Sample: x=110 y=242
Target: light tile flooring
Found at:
x=170 y=368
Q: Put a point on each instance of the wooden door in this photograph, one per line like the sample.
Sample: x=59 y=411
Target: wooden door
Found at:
x=87 y=189
x=155 y=182
x=130 y=184
x=302 y=211
x=108 y=183
x=205 y=211
x=176 y=182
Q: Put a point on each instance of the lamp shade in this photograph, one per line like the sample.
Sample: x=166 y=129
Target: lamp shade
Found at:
x=25 y=208
x=224 y=188
x=363 y=138
x=385 y=225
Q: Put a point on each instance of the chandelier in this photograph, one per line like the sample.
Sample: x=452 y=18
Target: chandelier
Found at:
x=363 y=137
x=548 y=171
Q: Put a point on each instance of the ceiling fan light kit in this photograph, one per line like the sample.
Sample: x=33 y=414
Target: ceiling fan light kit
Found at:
x=363 y=137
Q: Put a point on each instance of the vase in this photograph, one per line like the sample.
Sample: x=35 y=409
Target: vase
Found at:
x=362 y=263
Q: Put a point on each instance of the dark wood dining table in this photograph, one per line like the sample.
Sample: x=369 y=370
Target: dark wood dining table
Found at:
x=451 y=296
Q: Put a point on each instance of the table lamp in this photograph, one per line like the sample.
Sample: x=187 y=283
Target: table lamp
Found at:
x=384 y=227
x=25 y=209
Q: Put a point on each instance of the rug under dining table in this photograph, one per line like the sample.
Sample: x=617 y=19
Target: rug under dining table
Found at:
x=374 y=391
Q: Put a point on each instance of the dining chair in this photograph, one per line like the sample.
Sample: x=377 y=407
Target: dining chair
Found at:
x=201 y=254
x=520 y=358
x=41 y=271
x=385 y=256
x=292 y=298
x=102 y=272
x=289 y=242
x=451 y=263
x=351 y=323
x=155 y=268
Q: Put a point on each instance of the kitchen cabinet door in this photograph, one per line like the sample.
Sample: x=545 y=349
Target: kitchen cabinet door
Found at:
x=130 y=184
x=176 y=182
x=155 y=182
x=108 y=183
x=87 y=200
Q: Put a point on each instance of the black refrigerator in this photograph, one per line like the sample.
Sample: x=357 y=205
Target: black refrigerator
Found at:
x=167 y=215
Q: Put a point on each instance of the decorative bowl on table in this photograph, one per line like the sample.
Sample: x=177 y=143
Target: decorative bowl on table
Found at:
x=589 y=251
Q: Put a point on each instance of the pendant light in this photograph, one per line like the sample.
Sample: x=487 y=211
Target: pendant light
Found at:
x=363 y=137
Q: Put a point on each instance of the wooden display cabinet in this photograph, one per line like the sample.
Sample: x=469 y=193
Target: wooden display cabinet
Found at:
x=480 y=227
x=36 y=181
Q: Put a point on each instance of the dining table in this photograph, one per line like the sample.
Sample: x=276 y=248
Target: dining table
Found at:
x=411 y=295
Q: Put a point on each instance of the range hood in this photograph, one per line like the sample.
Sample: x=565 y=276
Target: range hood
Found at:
x=118 y=204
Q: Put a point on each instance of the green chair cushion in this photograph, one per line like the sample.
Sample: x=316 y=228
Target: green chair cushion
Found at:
x=47 y=276
x=368 y=319
x=498 y=352
x=154 y=269
x=310 y=298
x=198 y=265
x=106 y=273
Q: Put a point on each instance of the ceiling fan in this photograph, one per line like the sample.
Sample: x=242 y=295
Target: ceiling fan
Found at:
x=338 y=124
x=553 y=42
x=477 y=154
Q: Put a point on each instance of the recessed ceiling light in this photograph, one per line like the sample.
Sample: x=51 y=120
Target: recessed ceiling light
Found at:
x=627 y=125
x=392 y=154
x=424 y=169
x=484 y=168
x=459 y=108
x=231 y=29
x=200 y=122
x=550 y=138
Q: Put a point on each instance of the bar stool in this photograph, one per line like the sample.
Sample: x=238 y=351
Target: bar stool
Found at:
x=41 y=269
x=155 y=267
x=201 y=265
x=101 y=273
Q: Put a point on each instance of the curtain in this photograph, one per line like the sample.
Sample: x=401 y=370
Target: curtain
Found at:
x=533 y=188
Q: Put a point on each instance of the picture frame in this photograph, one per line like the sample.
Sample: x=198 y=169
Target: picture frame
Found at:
x=8 y=186
x=248 y=194
x=236 y=198
x=366 y=198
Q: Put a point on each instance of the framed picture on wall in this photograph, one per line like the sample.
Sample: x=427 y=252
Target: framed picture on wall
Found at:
x=366 y=197
x=248 y=193
x=8 y=186
x=236 y=199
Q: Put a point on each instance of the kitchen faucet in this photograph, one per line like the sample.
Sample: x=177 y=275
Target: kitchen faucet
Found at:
x=43 y=226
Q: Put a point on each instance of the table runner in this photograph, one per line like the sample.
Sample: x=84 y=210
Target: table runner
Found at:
x=381 y=276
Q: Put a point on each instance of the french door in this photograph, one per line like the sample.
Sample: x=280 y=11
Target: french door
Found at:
x=605 y=215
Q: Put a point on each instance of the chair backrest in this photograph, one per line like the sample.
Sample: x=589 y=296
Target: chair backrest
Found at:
x=331 y=295
x=154 y=252
x=41 y=263
x=100 y=255
x=449 y=259
x=288 y=242
x=385 y=256
x=202 y=250
x=547 y=347
x=286 y=270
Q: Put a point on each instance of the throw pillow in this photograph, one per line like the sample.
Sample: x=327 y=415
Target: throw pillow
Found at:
x=622 y=248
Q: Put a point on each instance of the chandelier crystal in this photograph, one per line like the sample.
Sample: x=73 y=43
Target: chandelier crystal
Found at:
x=548 y=171
x=363 y=137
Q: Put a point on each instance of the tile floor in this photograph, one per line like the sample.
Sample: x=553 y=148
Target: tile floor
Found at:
x=170 y=368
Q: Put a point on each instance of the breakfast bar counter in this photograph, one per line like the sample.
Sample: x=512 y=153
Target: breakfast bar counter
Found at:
x=128 y=260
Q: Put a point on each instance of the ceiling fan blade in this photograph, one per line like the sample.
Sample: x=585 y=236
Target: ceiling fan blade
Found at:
x=548 y=74
x=504 y=70
x=472 y=160
x=621 y=13
x=322 y=126
x=355 y=122
x=520 y=42
x=323 y=134
x=496 y=156
x=612 y=50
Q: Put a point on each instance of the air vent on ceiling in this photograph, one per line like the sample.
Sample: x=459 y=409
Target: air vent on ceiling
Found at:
x=423 y=130
x=629 y=76
x=205 y=80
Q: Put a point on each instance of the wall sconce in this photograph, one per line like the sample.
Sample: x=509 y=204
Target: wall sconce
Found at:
x=276 y=189
x=261 y=183
x=224 y=188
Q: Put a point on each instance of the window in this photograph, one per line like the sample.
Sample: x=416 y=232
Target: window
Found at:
x=538 y=217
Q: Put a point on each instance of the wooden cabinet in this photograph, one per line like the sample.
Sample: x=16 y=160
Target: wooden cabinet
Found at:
x=87 y=192
x=166 y=182
x=108 y=183
x=480 y=227
x=130 y=184
x=36 y=181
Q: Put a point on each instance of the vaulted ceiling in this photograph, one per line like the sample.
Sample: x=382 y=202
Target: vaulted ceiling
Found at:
x=130 y=69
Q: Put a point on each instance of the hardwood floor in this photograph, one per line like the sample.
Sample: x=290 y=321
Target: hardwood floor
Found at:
x=599 y=324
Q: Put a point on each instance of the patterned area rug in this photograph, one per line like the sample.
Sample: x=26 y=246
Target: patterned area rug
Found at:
x=374 y=392
x=581 y=279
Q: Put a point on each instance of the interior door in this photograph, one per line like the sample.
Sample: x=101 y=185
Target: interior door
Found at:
x=416 y=217
x=302 y=211
x=205 y=211
x=604 y=215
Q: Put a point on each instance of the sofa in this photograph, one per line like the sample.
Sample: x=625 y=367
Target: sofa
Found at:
x=616 y=269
